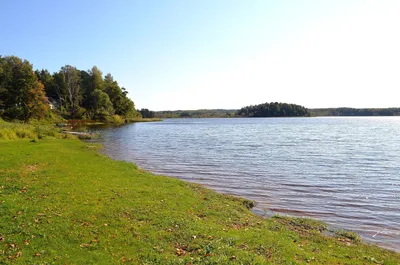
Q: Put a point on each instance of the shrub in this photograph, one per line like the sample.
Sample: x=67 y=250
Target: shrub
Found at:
x=7 y=134
x=116 y=119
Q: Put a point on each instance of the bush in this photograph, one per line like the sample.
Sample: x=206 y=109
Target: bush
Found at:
x=116 y=119
x=7 y=134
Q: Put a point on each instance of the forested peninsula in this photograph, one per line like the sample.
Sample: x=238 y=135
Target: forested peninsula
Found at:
x=273 y=109
x=70 y=93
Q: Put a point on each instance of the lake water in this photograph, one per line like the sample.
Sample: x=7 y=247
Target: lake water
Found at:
x=344 y=171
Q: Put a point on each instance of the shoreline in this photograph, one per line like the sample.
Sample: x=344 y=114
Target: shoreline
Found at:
x=152 y=153
x=276 y=212
x=259 y=211
x=105 y=210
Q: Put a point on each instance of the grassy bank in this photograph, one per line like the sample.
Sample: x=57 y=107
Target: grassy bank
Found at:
x=44 y=129
x=32 y=130
x=63 y=203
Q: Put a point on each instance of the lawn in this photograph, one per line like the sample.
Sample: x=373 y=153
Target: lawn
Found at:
x=61 y=202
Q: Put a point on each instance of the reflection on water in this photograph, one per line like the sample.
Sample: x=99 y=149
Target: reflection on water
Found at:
x=345 y=171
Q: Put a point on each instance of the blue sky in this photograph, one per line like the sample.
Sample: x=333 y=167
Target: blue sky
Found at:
x=219 y=53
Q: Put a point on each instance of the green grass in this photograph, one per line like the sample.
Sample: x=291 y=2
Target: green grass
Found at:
x=63 y=203
x=32 y=130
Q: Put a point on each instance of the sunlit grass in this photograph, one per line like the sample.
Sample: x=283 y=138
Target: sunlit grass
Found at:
x=63 y=203
x=14 y=130
x=32 y=130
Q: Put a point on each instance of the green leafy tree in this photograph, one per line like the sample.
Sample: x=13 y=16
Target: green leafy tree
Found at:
x=97 y=81
x=22 y=95
x=123 y=105
x=146 y=113
x=76 y=92
x=61 y=91
x=102 y=106
x=37 y=102
x=112 y=89
x=86 y=87
x=48 y=82
x=71 y=81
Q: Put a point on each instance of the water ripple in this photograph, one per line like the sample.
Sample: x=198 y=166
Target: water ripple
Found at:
x=345 y=171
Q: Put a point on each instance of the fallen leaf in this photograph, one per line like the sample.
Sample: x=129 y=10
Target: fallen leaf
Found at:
x=180 y=252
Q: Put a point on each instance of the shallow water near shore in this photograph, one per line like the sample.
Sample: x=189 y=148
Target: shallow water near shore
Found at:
x=344 y=171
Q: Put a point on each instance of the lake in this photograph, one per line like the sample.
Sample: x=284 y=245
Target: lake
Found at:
x=344 y=171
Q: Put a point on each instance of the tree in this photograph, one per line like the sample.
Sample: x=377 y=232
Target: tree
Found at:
x=60 y=88
x=97 y=81
x=48 y=82
x=86 y=87
x=72 y=81
x=37 y=102
x=102 y=106
x=123 y=105
x=22 y=95
x=5 y=79
x=147 y=113
x=77 y=92
x=112 y=89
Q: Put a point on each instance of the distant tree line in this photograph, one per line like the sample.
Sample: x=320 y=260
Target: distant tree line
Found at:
x=355 y=112
x=202 y=113
x=147 y=113
x=72 y=93
x=273 y=109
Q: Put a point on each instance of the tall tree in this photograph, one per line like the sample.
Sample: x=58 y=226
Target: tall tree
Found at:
x=90 y=81
x=22 y=95
x=60 y=88
x=97 y=78
x=48 y=82
x=112 y=88
x=76 y=92
x=37 y=102
x=72 y=80
x=102 y=106
x=86 y=87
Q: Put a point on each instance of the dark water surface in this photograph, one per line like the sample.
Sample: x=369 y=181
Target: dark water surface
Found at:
x=345 y=171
